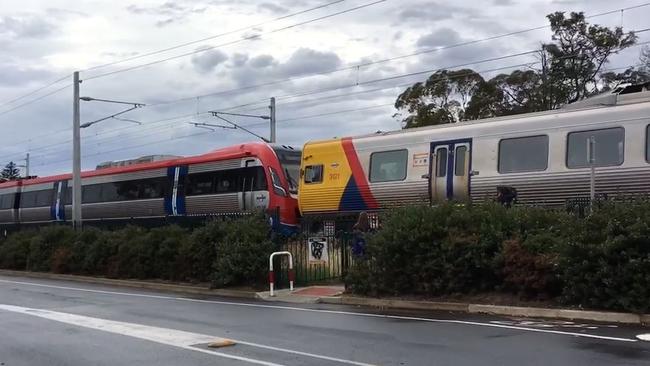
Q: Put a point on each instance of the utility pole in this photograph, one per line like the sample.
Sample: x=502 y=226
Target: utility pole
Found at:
x=27 y=166
x=272 y=115
x=76 y=155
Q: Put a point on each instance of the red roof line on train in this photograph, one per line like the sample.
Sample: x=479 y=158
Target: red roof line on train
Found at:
x=230 y=152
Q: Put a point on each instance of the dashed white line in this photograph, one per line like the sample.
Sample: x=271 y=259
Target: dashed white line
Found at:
x=336 y=312
x=644 y=337
x=170 y=337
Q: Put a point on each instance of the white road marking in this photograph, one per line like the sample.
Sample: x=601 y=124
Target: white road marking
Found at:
x=336 y=312
x=171 y=337
x=644 y=337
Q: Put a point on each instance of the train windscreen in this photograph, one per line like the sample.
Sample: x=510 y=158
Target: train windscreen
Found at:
x=290 y=162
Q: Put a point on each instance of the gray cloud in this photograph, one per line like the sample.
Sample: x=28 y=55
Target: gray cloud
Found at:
x=504 y=2
x=207 y=61
x=167 y=13
x=13 y=75
x=306 y=61
x=438 y=38
x=25 y=26
x=262 y=61
x=272 y=8
x=433 y=11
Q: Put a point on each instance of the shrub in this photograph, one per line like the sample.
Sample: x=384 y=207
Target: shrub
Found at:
x=14 y=250
x=242 y=252
x=43 y=246
x=607 y=265
x=196 y=255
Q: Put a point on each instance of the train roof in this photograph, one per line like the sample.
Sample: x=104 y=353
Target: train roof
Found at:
x=230 y=152
x=619 y=97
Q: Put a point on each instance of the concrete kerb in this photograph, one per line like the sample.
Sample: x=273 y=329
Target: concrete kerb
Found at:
x=514 y=311
x=179 y=289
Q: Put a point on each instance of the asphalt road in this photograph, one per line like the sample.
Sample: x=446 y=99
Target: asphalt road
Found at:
x=64 y=323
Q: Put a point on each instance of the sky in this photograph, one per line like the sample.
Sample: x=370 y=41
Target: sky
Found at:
x=238 y=54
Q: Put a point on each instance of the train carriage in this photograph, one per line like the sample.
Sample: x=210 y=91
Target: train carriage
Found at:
x=233 y=180
x=540 y=157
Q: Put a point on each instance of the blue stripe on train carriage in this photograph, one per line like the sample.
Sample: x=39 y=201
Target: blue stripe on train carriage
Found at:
x=175 y=197
x=57 y=209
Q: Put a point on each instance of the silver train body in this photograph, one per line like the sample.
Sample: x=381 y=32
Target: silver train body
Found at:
x=542 y=157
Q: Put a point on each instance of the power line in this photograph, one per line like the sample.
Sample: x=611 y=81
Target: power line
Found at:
x=385 y=60
x=173 y=48
x=363 y=83
x=12 y=101
x=34 y=100
x=213 y=37
x=244 y=39
x=321 y=73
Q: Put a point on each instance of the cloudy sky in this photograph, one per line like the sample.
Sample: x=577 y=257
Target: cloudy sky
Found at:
x=237 y=53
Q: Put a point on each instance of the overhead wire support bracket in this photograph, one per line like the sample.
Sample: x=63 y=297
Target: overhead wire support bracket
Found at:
x=217 y=114
x=135 y=106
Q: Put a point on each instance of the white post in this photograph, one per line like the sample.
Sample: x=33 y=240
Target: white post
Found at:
x=76 y=155
x=272 y=274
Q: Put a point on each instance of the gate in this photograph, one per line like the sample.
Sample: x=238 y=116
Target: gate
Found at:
x=321 y=254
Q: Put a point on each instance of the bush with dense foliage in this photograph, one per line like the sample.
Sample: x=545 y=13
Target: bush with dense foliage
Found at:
x=602 y=261
x=227 y=252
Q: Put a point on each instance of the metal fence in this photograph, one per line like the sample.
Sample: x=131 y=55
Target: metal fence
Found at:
x=321 y=254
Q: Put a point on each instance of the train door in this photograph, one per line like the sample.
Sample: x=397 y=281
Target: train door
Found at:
x=248 y=187
x=450 y=170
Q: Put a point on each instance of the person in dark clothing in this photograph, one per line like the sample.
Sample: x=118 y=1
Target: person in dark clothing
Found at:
x=358 y=231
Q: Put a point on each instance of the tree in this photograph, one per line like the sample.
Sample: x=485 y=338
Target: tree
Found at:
x=633 y=75
x=569 y=70
x=578 y=52
x=10 y=171
x=443 y=98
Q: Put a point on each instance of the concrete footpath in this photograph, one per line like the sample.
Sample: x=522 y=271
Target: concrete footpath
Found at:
x=335 y=295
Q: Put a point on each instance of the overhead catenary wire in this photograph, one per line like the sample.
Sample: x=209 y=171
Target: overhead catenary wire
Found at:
x=379 y=80
x=197 y=41
x=392 y=78
x=244 y=39
x=385 y=60
x=350 y=67
x=293 y=119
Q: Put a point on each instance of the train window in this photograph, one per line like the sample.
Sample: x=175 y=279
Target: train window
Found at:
x=27 y=199
x=44 y=198
x=7 y=201
x=647 y=144
x=67 y=199
x=388 y=166
x=201 y=183
x=228 y=181
x=91 y=193
x=460 y=156
x=314 y=173
x=152 y=188
x=36 y=199
x=277 y=183
x=609 y=147
x=523 y=154
x=259 y=178
x=441 y=162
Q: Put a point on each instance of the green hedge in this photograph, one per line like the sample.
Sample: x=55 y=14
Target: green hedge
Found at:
x=602 y=261
x=225 y=252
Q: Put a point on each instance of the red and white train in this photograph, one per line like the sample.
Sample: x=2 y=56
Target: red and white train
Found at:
x=232 y=180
